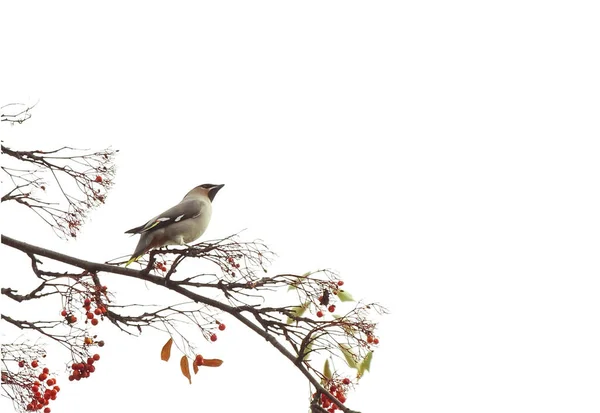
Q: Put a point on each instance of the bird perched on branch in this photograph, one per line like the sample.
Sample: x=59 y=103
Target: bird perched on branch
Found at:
x=179 y=225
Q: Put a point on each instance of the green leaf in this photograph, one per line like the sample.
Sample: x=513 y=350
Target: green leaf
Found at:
x=298 y=311
x=344 y=295
x=327 y=370
x=365 y=365
x=291 y=287
x=348 y=356
x=307 y=350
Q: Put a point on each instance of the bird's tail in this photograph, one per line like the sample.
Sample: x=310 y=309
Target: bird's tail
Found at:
x=135 y=230
x=133 y=258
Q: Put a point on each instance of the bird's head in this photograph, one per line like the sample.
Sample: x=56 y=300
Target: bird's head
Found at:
x=208 y=190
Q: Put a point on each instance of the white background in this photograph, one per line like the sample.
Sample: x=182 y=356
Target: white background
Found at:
x=442 y=156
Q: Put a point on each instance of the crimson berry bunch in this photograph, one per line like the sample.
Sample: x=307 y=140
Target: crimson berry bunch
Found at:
x=338 y=388
x=325 y=297
x=372 y=339
x=221 y=327
x=161 y=266
x=90 y=313
x=100 y=309
x=69 y=316
x=43 y=390
x=83 y=370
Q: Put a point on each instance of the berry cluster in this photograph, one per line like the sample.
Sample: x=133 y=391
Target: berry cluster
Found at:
x=90 y=314
x=372 y=340
x=338 y=389
x=213 y=336
x=83 y=370
x=88 y=341
x=161 y=266
x=43 y=390
x=324 y=298
x=234 y=265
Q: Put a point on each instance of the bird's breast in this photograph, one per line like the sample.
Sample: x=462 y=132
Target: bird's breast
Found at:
x=198 y=225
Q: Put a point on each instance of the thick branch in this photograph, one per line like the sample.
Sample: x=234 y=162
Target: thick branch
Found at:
x=173 y=286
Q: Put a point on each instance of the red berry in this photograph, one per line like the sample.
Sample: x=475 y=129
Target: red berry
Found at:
x=213 y=337
x=90 y=361
x=319 y=313
x=47 y=410
x=22 y=363
x=30 y=407
x=90 y=369
x=96 y=357
x=50 y=382
x=369 y=339
x=34 y=364
x=340 y=283
x=42 y=377
x=199 y=360
x=221 y=326
x=56 y=389
x=346 y=381
x=46 y=370
x=87 y=302
x=98 y=178
x=331 y=308
x=71 y=378
x=97 y=311
x=94 y=321
x=375 y=341
x=35 y=389
x=63 y=313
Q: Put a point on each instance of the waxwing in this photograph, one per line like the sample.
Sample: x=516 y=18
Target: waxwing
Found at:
x=179 y=225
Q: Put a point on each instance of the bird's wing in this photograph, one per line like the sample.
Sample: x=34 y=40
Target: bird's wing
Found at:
x=187 y=209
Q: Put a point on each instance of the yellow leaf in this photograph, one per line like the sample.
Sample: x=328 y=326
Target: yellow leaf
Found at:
x=327 y=370
x=165 y=353
x=185 y=368
x=212 y=362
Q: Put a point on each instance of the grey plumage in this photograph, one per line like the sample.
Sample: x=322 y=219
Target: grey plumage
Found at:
x=181 y=224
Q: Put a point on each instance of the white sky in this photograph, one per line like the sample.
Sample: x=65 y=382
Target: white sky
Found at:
x=443 y=156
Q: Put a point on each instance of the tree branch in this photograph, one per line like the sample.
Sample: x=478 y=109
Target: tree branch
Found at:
x=234 y=311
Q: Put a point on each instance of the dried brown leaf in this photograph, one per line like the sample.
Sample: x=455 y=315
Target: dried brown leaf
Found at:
x=165 y=353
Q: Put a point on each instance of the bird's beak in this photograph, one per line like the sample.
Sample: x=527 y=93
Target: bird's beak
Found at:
x=213 y=191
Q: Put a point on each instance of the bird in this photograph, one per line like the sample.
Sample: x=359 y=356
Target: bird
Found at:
x=179 y=225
